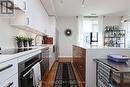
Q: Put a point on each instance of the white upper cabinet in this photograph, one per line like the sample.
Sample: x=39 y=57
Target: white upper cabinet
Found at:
x=37 y=14
x=34 y=17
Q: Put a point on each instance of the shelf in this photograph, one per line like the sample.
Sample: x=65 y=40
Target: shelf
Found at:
x=113 y=37
x=113 y=31
x=114 y=43
x=28 y=28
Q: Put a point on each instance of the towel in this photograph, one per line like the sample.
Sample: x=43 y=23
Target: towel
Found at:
x=37 y=75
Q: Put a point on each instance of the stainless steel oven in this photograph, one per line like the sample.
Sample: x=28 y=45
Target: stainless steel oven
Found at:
x=25 y=73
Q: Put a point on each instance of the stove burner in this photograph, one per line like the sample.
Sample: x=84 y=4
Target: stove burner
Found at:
x=14 y=51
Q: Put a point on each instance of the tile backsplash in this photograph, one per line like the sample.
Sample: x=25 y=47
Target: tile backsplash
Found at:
x=8 y=33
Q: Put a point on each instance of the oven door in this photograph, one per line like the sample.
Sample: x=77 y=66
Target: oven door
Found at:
x=27 y=79
x=25 y=72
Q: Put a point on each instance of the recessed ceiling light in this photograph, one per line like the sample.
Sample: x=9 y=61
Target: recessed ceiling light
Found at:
x=84 y=2
x=61 y=1
x=93 y=14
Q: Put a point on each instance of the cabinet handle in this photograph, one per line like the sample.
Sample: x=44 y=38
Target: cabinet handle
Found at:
x=6 y=67
x=27 y=21
x=9 y=84
x=25 y=5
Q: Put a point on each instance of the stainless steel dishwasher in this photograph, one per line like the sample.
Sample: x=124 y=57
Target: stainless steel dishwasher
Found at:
x=44 y=62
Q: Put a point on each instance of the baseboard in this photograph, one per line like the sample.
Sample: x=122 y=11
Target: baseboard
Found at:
x=65 y=56
x=65 y=59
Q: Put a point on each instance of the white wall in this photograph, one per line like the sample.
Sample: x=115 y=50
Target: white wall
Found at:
x=8 y=33
x=112 y=20
x=65 y=43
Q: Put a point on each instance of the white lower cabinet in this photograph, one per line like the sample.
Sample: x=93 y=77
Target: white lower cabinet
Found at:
x=7 y=69
x=11 y=82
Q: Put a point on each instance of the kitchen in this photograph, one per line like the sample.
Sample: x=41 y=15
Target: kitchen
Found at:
x=47 y=31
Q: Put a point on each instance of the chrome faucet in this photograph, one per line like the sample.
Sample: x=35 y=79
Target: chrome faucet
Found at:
x=35 y=39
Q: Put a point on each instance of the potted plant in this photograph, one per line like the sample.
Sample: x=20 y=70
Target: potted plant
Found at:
x=30 y=41
x=19 y=41
x=25 y=41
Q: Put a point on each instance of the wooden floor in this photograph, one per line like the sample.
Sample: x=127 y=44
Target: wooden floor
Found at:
x=52 y=73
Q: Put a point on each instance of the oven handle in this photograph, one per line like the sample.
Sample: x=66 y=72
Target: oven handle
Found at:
x=30 y=70
x=27 y=72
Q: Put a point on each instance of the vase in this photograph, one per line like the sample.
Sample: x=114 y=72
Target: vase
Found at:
x=25 y=43
x=30 y=43
x=19 y=44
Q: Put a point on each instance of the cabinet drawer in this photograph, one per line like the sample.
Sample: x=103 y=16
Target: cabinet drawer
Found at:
x=11 y=82
x=7 y=69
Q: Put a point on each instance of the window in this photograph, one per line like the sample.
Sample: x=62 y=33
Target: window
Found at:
x=90 y=31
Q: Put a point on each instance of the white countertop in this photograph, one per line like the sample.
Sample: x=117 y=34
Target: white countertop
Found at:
x=4 y=58
x=101 y=47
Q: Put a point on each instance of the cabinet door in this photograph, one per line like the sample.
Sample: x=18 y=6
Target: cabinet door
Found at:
x=7 y=69
x=30 y=12
x=37 y=15
x=19 y=19
x=11 y=82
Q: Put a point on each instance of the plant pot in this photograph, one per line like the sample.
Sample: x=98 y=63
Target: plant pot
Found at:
x=19 y=44
x=25 y=43
x=30 y=43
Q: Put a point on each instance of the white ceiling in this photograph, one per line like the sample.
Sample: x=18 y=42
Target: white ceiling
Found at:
x=49 y=7
x=100 y=7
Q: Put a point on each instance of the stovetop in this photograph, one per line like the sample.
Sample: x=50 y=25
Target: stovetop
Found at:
x=14 y=51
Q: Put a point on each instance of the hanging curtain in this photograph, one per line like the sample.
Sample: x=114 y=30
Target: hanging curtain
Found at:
x=84 y=26
x=126 y=26
x=87 y=25
x=80 y=30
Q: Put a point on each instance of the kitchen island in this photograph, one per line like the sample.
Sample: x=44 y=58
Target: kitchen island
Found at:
x=98 y=53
